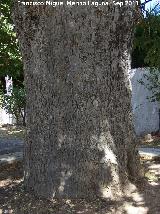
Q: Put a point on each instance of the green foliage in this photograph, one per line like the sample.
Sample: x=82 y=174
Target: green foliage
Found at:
x=15 y=103
x=153 y=84
x=146 y=51
x=10 y=57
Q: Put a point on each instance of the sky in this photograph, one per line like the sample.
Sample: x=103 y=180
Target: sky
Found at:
x=151 y=4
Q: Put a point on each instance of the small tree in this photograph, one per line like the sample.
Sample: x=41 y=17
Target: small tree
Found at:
x=152 y=84
x=15 y=104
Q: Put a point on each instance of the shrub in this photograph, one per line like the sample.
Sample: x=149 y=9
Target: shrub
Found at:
x=15 y=104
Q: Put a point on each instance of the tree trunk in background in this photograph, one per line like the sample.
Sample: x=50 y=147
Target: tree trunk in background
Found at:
x=80 y=141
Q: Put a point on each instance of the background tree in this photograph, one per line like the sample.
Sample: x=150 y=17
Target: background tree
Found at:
x=10 y=57
x=11 y=64
x=80 y=140
x=15 y=104
x=146 y=51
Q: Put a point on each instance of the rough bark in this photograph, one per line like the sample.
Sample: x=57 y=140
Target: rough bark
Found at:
x=80 y=140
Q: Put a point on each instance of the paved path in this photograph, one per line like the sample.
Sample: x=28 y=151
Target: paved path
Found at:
x=12 y=149
x=149 y=152
x=10 y=145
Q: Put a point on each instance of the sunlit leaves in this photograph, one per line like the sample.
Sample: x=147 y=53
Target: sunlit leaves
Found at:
x=10 y=57
x=147 y=42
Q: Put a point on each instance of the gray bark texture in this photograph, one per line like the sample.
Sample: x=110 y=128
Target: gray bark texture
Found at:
x=80 y=140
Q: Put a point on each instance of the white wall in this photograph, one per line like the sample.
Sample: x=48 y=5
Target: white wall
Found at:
x=146 y=118
x=6 y=118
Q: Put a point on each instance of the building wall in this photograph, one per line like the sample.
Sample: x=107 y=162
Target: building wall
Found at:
x=145 y=113
x=6 y=118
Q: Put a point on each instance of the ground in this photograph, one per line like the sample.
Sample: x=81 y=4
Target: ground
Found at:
x=144 y=198
x=12 y=132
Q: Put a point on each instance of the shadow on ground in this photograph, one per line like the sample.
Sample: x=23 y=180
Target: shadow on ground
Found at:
x=13 y=199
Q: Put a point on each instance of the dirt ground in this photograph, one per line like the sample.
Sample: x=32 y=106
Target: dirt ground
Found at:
x=13 y=199
x=145 y=199
x=12 y=132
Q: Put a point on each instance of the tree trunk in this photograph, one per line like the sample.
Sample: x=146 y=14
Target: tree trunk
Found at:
x=80 y=141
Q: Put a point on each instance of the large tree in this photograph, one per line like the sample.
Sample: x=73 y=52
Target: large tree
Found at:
x=80 y=140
